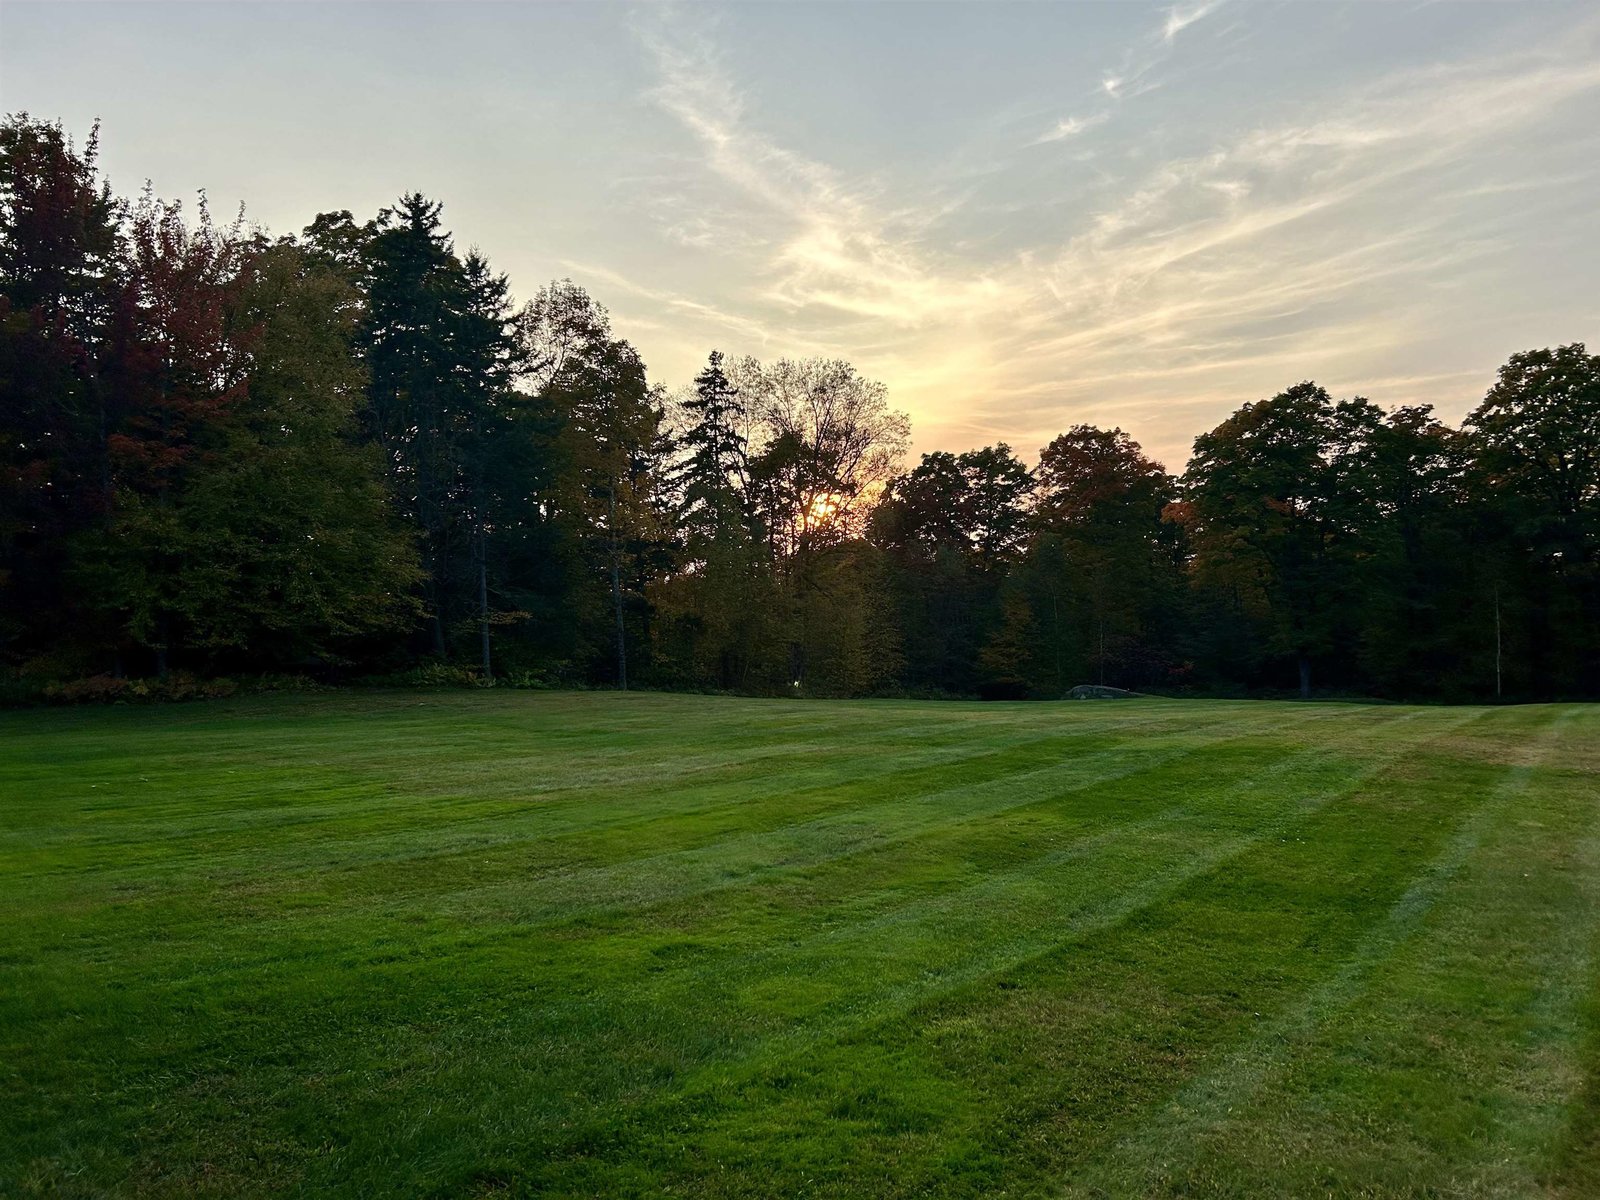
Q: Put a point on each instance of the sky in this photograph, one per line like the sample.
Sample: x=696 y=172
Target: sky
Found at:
x=1019 y=217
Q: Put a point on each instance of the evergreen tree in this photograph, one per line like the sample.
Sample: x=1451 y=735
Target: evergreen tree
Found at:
x=416 y=302
x=713 y=475
x=61 y=258
x=714 y=607
x=489 y=363
x=444 y=361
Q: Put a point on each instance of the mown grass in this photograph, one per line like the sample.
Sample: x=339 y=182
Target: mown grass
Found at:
x=595 y=945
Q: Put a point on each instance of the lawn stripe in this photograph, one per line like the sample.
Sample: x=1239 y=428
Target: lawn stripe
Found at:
x=1041 y=935
x=742 y=859
x=442 y=983
x=572 y=806
x=1161 y=1143
x=1063 y=918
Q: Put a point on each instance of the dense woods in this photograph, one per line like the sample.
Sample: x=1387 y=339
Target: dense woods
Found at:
x=349 y=453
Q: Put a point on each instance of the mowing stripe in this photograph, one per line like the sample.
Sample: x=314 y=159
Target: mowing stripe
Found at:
x=742 y=858
x=462 y=823
x=1070 y=922
x=1045 y=934
x=1140 y=1163
x=509 y=908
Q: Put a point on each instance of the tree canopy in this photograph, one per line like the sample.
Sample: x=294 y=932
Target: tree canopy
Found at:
x=350 y=451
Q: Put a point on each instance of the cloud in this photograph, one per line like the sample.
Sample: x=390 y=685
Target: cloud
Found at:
x=1294 y=247
x=832 y=245
x=1312 y=243
x=1069 y=127
x=1131 y=78
x=699 y=222
x=1180 y=16
x=707 y=315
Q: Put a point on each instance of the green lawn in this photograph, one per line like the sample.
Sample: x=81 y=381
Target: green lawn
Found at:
x=594 y=945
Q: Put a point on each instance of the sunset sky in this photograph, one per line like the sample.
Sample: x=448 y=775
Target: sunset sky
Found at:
x=1019 y=217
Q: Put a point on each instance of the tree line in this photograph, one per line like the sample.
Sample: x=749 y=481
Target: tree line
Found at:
x=348 y=452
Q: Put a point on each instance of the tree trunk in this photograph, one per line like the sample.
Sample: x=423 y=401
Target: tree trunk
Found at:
x=1496 y=645
x=480 y=507
x=483 y=606
x=1101 y=654
x=1305 y=677
x=432 y=524
x=1055 y=638
x=616 y=597
x=161 y=648
x=435 y=621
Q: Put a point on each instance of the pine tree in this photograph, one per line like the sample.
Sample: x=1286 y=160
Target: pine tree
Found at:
x=61 y=256
x=714 y=473
x=489 y=361
x=417 y=410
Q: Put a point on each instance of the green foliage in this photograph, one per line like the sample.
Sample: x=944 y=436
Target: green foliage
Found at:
x=713 y=480
x=953 y=530
x=61 y=256
x=113 y=689
x=1536 y=471
x=350 y=452
x=531 y=681
x=1271 y=523
x=430 y=674
x=609 y=458
x=1108 y=560
x=292 y=551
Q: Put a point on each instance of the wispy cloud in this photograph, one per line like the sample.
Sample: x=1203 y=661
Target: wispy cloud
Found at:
x=837 y=247
x=1300 y=245
x=1133 y=75
x=1069 y=127
x=1181 y=16
x=1299 y=242
x=711 y=318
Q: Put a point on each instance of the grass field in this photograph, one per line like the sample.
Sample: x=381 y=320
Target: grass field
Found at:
x=594 y=945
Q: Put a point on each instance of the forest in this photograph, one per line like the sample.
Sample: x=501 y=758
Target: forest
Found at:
x=348 y=454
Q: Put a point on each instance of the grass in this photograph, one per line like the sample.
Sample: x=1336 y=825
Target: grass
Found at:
x=484 y=944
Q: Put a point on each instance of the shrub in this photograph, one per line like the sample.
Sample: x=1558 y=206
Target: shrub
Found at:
x=113 y=689
x=430 y=675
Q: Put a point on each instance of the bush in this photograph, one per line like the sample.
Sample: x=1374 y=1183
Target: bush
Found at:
x=429 y=675
x=284 y=683
x=536 y=680
x=113 y=689
x=17 y=689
